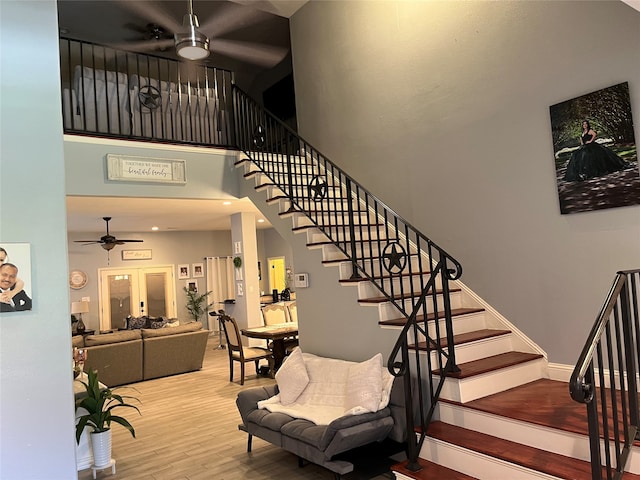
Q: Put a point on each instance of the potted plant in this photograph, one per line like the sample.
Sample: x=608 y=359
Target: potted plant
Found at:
x=197 y=303
x=99 y=404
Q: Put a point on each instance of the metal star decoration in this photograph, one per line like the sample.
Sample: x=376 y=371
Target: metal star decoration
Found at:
x=394 y=258
x=317 y=188
x=150 y=97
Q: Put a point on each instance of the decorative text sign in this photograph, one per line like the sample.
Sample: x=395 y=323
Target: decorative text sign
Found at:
x=136 y=254
x=145 y=169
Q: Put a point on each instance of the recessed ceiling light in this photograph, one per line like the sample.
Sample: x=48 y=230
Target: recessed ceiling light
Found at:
x=226 y=203
x=155 y=228
x=261 y=220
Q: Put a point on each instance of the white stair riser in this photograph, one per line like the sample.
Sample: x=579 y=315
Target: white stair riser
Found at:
x=487 y=347
x=302 y=191
x=376 y=269
x=479 y=386
x=543 y=438
x=315 y=235
x=395 y=285
x=476 y=464
x=332 y=219
x=388 y=311
x=330 y=205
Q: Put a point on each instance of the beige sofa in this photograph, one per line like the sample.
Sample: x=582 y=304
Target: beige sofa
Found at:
x=129 y=356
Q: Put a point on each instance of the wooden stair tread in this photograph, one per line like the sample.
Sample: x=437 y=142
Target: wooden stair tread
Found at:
x=333 y=227
x=550 y=463
x=468 y=337
x=400 y=296
x=430 y=471
x=401 y=322
x=489 y=364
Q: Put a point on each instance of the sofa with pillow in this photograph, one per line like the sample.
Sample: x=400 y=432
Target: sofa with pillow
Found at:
x=321 y=407
x=129 y=356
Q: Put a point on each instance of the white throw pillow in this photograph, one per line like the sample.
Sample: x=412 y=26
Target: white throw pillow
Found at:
x=292 y=377
x=364 y=386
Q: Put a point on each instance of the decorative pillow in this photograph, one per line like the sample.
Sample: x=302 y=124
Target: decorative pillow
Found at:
x=156 y=322
x=364 y=386
x=134 y=323
x=387 y=385
x=292 y=377
x=172 y=324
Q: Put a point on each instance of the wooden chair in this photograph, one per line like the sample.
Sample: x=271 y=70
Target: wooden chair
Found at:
x=292 y=312
x=240 y=353
x=276 y=314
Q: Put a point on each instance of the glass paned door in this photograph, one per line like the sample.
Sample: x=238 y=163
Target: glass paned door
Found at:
x=136 y=292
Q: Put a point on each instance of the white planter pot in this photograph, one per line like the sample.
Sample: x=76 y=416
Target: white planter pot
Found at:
x=101 y=443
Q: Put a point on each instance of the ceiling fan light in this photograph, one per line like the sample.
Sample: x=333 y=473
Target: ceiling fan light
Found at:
x=108 y=246
x=193 y=44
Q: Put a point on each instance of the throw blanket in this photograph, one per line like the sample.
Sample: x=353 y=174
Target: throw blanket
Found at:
x=335 y=388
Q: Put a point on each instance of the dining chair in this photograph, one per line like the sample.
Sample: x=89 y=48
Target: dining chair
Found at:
x=240 y=353
x=274 y=314
x=292 y=311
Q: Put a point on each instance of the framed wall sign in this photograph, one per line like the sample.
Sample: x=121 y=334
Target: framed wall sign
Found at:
x=136 y=254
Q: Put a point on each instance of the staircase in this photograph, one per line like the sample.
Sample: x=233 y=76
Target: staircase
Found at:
x=492 y=413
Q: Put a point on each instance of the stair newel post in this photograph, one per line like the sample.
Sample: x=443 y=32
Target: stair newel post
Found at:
x=412 y=442
x=630 y=356
x=352 y=231
x=451 y=350
x=594 y=430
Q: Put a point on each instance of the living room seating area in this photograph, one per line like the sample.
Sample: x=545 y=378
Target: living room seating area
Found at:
x=129 y=356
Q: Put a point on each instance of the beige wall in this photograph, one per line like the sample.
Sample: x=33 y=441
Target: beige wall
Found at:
x=442 y=110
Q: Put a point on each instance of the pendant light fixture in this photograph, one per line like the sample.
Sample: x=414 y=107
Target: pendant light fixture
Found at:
x=191 y=44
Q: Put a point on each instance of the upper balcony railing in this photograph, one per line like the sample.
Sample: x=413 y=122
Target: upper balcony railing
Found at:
x=112 y=93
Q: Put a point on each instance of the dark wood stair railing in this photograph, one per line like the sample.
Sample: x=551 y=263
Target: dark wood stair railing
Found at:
x=605 y=378
x=410 y=271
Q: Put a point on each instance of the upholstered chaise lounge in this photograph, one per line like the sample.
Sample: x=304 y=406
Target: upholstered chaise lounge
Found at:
x=333 y=412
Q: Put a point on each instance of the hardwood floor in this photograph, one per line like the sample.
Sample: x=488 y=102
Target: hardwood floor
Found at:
x=189 y=431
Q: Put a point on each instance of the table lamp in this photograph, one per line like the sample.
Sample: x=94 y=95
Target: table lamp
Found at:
x=77 y=309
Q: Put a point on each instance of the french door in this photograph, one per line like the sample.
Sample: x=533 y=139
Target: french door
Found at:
x=136 y=292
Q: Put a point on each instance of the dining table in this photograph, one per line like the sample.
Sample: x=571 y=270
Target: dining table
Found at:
x=276 y=334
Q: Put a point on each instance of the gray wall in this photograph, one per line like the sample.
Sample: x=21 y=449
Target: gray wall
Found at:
x=36 y=395
x=442 y=110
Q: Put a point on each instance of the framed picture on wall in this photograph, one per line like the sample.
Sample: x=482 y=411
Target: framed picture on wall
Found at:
x=192 y=285
x=198 y=270
x=595 y=154
x=183 y=271
x=15 y=264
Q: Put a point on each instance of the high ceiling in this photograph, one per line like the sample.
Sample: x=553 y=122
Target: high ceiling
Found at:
x=247 y=37
x=244 y=37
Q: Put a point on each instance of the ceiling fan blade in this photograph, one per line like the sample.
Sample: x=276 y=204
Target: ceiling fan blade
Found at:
x=145 y=45
x=120 y=242
x=153 y=12
x=229 y=17
x=259 y=54
x=87 y=242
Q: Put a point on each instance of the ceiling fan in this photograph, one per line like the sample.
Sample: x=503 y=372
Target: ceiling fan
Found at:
x=193 y=41
x=107 y=241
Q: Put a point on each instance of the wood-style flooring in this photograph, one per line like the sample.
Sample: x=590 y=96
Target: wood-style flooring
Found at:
x=188 y=430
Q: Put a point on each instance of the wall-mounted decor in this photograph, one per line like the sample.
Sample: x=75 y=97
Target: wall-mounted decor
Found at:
x=77 y=279
x=596 y=158
x=128 y=168
x=197 y=270
x=183 y=271
x=15 y=277
x=192 y=285
x=136 y=254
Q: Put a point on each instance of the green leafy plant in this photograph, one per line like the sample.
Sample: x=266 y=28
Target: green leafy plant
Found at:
x=197 y=303
x=100 y=404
